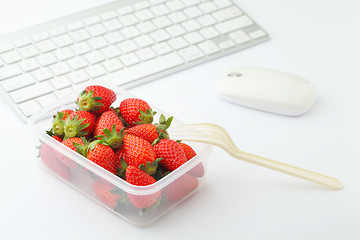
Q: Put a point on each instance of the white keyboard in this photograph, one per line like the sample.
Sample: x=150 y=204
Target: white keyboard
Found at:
x=126 y=43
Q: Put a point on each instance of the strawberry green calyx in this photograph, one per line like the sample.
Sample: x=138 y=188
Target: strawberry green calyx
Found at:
x=145 y=117
x=162 y=127
x=58 y=124
x=87 y=101
x=150 y=167
x=82 y=149
x=112 y=137
x=74 y=127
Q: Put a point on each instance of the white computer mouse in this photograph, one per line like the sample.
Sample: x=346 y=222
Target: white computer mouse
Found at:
x=267 y=90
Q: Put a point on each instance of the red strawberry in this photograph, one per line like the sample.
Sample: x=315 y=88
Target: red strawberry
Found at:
x=136 y=111
x=96 y=99
x=107 y=120
x=150 y=132
x=109 y=125
x=69 y=143
x=138 y=151
x=98 y=153
x=78 y=124
x=181 y=187
x=52 y=162
x=138 y=177
x=103 y=190
x=59 y=122
x=172 y=153
x=120 y=153
x=198 y=170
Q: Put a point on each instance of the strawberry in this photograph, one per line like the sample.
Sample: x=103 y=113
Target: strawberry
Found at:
x=136 y=111
x=138 y=151
x=172 y=153
x=96 y=99
x=151 y=132
x=198 y=170
x=109 y=125
x=181 y=187
x=98 y=153
x=104 y=191
x=79 y=124
x=138 y=177
x=59 y=122
x=107 y=120
x=69 y=143
x=52 y=162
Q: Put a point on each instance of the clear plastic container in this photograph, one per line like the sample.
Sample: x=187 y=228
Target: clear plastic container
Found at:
x=112 y=192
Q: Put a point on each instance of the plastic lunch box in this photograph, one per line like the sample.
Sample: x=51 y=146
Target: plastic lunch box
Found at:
x=83 y=174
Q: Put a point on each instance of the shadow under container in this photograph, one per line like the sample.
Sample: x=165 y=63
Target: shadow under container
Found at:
x=139 y=205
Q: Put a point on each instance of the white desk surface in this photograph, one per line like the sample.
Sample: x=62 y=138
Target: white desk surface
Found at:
x=318 y=40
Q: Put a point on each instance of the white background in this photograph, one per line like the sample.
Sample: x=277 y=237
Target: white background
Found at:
x=318 y=40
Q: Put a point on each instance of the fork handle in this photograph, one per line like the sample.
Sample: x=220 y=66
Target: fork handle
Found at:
x=288 y=169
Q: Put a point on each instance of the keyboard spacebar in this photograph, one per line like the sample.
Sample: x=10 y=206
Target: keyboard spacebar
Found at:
x=143 y=69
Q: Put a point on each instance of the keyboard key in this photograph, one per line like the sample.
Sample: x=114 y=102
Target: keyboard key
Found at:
x=60 y=82
x=141 y=5
x=160 y=35
x=112 y=65
x=227 y=44
x=160 y=10
x=95 y=71
x=206 y=20
x=145 y=54
x=94 y=57
x=63 y=41
x=64 y=92
x=144 y=41
x=208 y=47
x=80 y=35
x=63 y=54
x=208 y=7
x=96 y=30
x=144 y=69
x=78 y=76
x=257 y=34
x=29 y=107
x=6 y=47
x=162 y=48
x=125 y=10
x=177 y=17
x=178 y=43
x=23 y=42
x=227 y=13
x=31 y=92
x=108 y=15
x=111 y=52
x=128 y=20
x=47 y=99
x=193 y=38
x=60 y=68
x=46 y=46
x=190 y=3
x=192 y=12
x=9 y=71
x=233 y=24
x=175 y=5
x=42 y=74
x=97 y=43
x=222 y=3
x=81 y=48
x=17 y=82
x=191 y=25
x=29 y=65
x=28 y=51
x=11 y=57
x=112 y=25
x=191 y=53
x=239 y=37
x=58 y=31
x=146 y=27
x=162 y=22
x=209 y=32
x=77 y=63
x=176 y=30
x=46 y=59
x=113 y=37
x=129 y=59
x=130 y=32
x=127 y=46
x=144 y=15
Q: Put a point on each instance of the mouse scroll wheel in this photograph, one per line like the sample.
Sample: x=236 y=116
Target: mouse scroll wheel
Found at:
x=234 y=74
